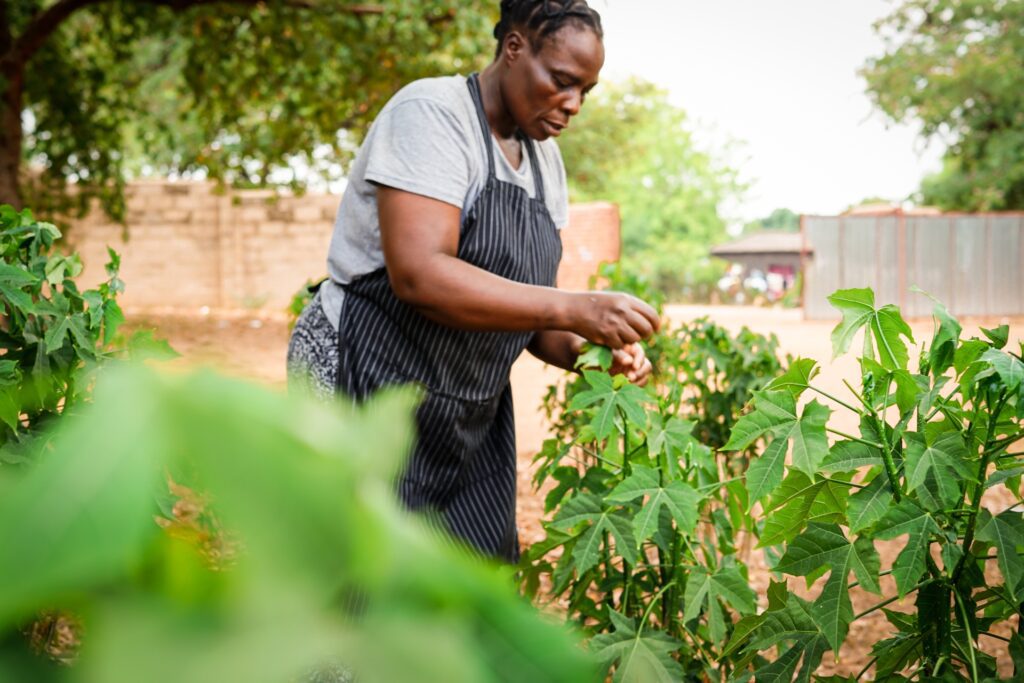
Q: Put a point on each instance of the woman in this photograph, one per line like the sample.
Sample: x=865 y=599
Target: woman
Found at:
x=443 y=262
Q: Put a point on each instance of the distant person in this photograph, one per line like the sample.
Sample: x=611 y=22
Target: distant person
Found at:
x=443 y=260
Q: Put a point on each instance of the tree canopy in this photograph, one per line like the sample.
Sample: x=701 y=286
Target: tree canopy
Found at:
x=957 y=67
x=235 y=89
x=632 y=146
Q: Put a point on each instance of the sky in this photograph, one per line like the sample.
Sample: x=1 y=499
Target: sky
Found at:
x=780 y=77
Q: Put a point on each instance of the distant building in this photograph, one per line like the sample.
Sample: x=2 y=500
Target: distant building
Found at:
x=768 y=261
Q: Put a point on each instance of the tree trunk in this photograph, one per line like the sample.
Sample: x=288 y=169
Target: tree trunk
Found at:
x=10 y=140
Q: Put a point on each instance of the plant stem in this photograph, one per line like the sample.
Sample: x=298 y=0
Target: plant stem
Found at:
x=891 y=600
x=877 y=607
x=595 y=454
x=978 y=490
x=993 y=635
x=654 y=601
x=970 y=639
x=859 y=397
x=844 y=483
x=890 y=463
x=867 y=666
x=833 y=398
x=887 y=572
x=855 y=438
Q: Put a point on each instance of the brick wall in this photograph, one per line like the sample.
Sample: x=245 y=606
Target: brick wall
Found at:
x=189 y=246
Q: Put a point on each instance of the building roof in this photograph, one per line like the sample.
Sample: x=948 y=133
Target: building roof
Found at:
x=760 y=243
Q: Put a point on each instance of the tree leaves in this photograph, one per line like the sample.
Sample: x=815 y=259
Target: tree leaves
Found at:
x=884 y=325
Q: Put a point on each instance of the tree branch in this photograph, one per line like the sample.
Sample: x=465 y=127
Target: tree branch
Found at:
x=44 y=24
x=5 y=28
x=39 y=29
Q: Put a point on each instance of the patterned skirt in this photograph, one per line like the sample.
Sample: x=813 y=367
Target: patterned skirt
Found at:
x=313 y=353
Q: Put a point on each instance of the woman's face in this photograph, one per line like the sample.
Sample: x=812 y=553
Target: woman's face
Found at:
x=546 y=87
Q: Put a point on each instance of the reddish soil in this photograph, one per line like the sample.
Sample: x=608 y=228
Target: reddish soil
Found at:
x=253 y=346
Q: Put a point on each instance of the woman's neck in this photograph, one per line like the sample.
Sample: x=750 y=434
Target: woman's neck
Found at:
x=498 y=117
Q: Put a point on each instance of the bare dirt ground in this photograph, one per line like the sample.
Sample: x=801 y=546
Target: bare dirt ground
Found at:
x=253 y=346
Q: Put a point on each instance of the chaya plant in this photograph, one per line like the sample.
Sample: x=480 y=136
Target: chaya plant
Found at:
x=53 y=335
x=643 y=536
x=935 y=468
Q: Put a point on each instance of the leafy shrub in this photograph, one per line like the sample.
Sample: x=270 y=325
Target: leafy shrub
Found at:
x=53 y=336
x=932 y=468
x=644 y=548
x=325 y=567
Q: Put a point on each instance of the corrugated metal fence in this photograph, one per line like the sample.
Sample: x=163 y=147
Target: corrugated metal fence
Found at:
x=970 y=262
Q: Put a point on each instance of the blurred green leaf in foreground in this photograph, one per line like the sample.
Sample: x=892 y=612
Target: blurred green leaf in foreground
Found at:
x=326 y=571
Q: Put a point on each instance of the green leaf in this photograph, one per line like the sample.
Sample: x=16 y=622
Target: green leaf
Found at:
x=13 y=296
x=825 y=545
x=640 y=657
x=968 y=353
x=55 y=268
x=797 y=377
x=680 y=499
x=82 y=513
x=884 y=324
x=672 y=439
x=9 y=410
x=594 y=356
x=143 y=345
x=1009 y=369
x=944 y=343
x=908 y=518
x=765 y=473
x=607 y=396
x=56 y=335
x=775 y=412
x=847 y=456
x=945 y=457
x=869 y=504
x=16 y=276
x=792 y=622
x=998 y=336
x=1005 y=533
x=798 y=502
x=588 y=509
x=726 y=583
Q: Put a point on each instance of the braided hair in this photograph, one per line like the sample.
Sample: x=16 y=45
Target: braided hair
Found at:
x=540 y=19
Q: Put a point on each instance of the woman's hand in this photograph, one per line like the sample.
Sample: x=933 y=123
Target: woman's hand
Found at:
x=632 y=362
x=613 y=319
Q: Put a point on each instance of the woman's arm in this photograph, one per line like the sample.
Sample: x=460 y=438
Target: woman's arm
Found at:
x=420 y=239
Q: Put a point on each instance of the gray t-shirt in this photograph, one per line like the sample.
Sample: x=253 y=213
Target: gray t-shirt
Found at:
x=427 y=140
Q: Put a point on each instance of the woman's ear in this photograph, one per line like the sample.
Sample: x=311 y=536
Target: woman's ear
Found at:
x=514 y=46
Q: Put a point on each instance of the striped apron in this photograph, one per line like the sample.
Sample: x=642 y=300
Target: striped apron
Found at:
x=462 y=472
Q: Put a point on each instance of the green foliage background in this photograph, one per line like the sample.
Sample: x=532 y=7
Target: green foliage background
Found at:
x=235 y=90
x=632 y=146
x=957 y=68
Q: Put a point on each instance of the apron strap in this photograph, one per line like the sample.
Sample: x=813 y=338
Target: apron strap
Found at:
x=538 y=179
x=485 y=128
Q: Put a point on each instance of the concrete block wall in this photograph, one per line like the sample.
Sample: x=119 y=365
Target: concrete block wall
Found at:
x=189 y=246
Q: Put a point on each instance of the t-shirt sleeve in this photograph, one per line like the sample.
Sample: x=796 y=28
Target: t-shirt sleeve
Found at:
x=419 y=146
